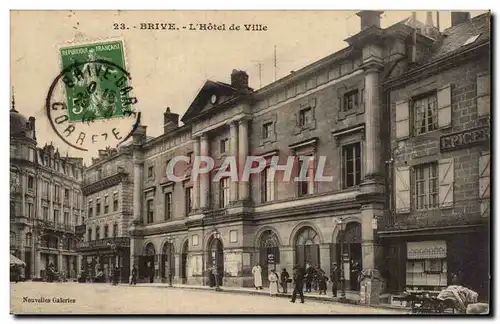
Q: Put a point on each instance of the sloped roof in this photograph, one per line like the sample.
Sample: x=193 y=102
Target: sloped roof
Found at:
x=454 y=38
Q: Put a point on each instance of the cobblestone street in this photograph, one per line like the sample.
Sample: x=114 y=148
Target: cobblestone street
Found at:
x=107 y=299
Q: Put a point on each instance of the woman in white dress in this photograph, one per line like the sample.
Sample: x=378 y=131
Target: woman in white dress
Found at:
x=273 y=283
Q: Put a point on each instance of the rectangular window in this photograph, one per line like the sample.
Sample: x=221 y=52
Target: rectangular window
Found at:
x=426 y=186
x=56 y=216
x=91 y=210
x=267 y=186
x=115 y=201
x=224 y=145
x=304 y=117
x=106 y=205
x=99 y=174
x=76 y=220
x=190 y=157
x=97 y=233
x=98 y=207
x=106 y=231
x=66 y=194
x=45 y=213
x=31 y=183
x=303 y=184
x=29 y=207
x=189 y=200
x=150 y=172
x=66 y=218
x=351 y=101
x=351 y=169
x=224 y=187
x=115 y=230
x=267 y=129
x=89 y=234
x=425 y=114
x=168 y=205
x=150 y=211
x=46 y=189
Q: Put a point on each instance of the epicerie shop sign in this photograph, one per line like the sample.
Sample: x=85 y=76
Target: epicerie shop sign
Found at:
x=464 y=139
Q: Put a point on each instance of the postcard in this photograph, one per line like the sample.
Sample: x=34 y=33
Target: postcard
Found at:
x=250 y=162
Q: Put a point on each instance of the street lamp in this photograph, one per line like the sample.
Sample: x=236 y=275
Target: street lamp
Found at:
x=340 y=223
x=170 y=242
x=216 y=235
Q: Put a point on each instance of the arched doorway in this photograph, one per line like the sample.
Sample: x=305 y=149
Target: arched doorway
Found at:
x=352 y=249
x=167 y=261
x=147 y=263
x=307 y=247
x=269 y=253
x=216 y=258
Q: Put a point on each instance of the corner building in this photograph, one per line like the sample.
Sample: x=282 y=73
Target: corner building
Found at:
x=336 y=108
x=108 y=190
x=437 y=231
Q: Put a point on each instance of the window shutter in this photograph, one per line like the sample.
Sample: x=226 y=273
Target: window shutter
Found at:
x=444 y=106
x=483 y=94
x=402 y=119
x=446 y=179
x=484 y=183
x=402 y=189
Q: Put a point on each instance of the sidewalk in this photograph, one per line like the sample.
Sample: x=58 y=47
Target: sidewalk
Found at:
x=352 y=297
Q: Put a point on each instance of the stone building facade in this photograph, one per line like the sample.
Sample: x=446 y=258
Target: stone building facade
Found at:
x=108 y=196
x=340 y=107
x=437 y=230
x=46 y=202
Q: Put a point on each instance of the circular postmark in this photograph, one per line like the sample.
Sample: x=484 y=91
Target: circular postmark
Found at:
x=90 y=103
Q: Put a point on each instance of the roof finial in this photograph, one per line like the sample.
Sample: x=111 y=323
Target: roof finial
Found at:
x=13 y=102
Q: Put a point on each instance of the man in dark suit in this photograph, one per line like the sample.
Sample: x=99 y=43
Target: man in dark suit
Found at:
x=298 y=284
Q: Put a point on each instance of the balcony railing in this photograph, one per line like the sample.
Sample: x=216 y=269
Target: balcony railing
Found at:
x=105 y=243
x=80 y=229
x=57 y=226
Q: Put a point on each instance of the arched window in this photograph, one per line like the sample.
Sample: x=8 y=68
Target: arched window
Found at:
x=97 y=232
x=150 y=249
x=307 y=247
x=28 y=239
x=269 y=252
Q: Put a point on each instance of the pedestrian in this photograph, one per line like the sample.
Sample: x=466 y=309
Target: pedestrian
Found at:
x=152 y=274
x=257 y=276
x=298 y=284
x=355 y=270
x=284 y=280
x=133 y=281
x=335 y=278
x=309 y=276
x=116 y=275
x=273 y=283
x=322 y=280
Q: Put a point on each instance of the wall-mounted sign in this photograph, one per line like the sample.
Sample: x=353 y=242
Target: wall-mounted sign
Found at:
x=464 y=139
x=270 y=258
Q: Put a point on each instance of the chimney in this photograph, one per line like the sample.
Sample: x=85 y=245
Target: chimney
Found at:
x=369 y=18
x=428 y=19
x=458 y=17
x=170 y=121
x=32 y=125
x=239 y=79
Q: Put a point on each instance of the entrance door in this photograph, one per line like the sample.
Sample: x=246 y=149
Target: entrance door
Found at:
x=167 y=261
x=216 y=258
x=184 y=257
x=147 y=263
x=269 y=254
x=351 y=248
x=307 y=248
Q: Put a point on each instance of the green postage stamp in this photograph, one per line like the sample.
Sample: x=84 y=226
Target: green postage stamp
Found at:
x=95 y=80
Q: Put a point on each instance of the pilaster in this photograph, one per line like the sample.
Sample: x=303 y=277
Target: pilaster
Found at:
x=244 y=186
x=233 y=130
x=205 y=177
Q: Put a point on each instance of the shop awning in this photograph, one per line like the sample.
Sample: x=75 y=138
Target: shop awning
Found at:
x=16 y=261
